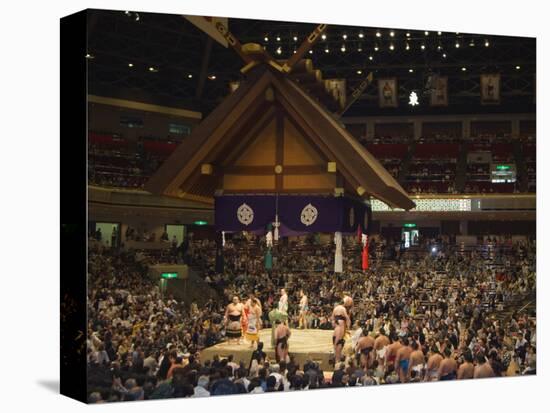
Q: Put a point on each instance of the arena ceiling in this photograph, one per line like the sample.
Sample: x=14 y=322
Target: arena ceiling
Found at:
x=164 y=59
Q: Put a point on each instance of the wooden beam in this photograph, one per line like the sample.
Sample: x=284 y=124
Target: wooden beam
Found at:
x=357 y=92
x=306 y=45
x=270 y=170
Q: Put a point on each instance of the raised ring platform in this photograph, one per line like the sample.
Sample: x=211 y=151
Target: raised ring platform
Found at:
x=315 y=345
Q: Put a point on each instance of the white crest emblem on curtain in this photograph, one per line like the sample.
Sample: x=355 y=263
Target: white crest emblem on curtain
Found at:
x=309 y=215
x=245 y=214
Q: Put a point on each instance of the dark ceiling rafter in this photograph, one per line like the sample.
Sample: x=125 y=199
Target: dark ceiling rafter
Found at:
x=175 y=47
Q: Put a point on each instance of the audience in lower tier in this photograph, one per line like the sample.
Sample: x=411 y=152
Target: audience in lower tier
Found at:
x=453 y=308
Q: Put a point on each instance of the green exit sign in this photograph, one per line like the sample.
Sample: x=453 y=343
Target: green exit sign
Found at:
x=503 y=167
x=409 y=225
x=168 y=275
x=200 y=223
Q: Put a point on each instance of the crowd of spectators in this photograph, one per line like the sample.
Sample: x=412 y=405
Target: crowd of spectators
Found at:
x=146 y=345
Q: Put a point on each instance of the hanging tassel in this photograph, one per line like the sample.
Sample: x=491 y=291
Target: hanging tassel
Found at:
x=338 y=259
x=223 y=238
x=365 y=253
x=276 y=231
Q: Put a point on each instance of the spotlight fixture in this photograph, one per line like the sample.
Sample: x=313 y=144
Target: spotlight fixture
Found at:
x=212 y=77
x=407 y=47
x=295 y=38
x=457 y=45
x=189 y=76
x=343 y=48
x=360 y=47
x=130 y=65
x=378 y=34
x=370 y=57
x=438 y=47
x=439 y=33
x=324 y=36
x=89 y=56
x=311 y=52
x=326 y=50
x=294 y=51
x=392 y=33
x=361 y=35
x=463 y=69
x=375 y=47
x=152 y=69
x=472 y=43
x=518 y=67
x=344 y=36
x=444 y=55
x=486 y=43
x=392 y=46
x=411 y=70
x=408 y=34
x=278 y=38
x=266 y=39
x=426 y=33
x=423 y=46
x=279 y=50
x=359 y=72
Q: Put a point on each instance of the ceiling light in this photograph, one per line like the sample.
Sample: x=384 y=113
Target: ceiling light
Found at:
x=295 y=38
x=457 y=45
x=359 y=72
x=408 y=34
x=378 y=34
x=392 y=46
x=266 y=39
x=326 y=50
x=407 y=47
x=438 y=47
x=190 y=76
x=463 y=69
x=278 y=39
x=411 y=70
x=472 y=43
x=426 y=33
x=89 y=56
x=130 y=65
x=444 y=55
x=370 y=57
x=152 y=69
x=343 y=48
x=361 y=35
x=360 y=47
x=375 y=47
x=324 y=36
x=439 y=33
x=279 y=50
x=422 y=46
x=486 y=43
x=392 y=33
x=518 y=67
x=344 y=36
x=311 y=52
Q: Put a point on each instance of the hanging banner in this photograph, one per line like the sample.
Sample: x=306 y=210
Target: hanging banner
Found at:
x=296 y=214
x=387 y=93
x=439 y=96
x=490 y=89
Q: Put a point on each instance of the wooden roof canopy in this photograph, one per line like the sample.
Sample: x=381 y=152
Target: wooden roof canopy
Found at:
x=274 y=134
